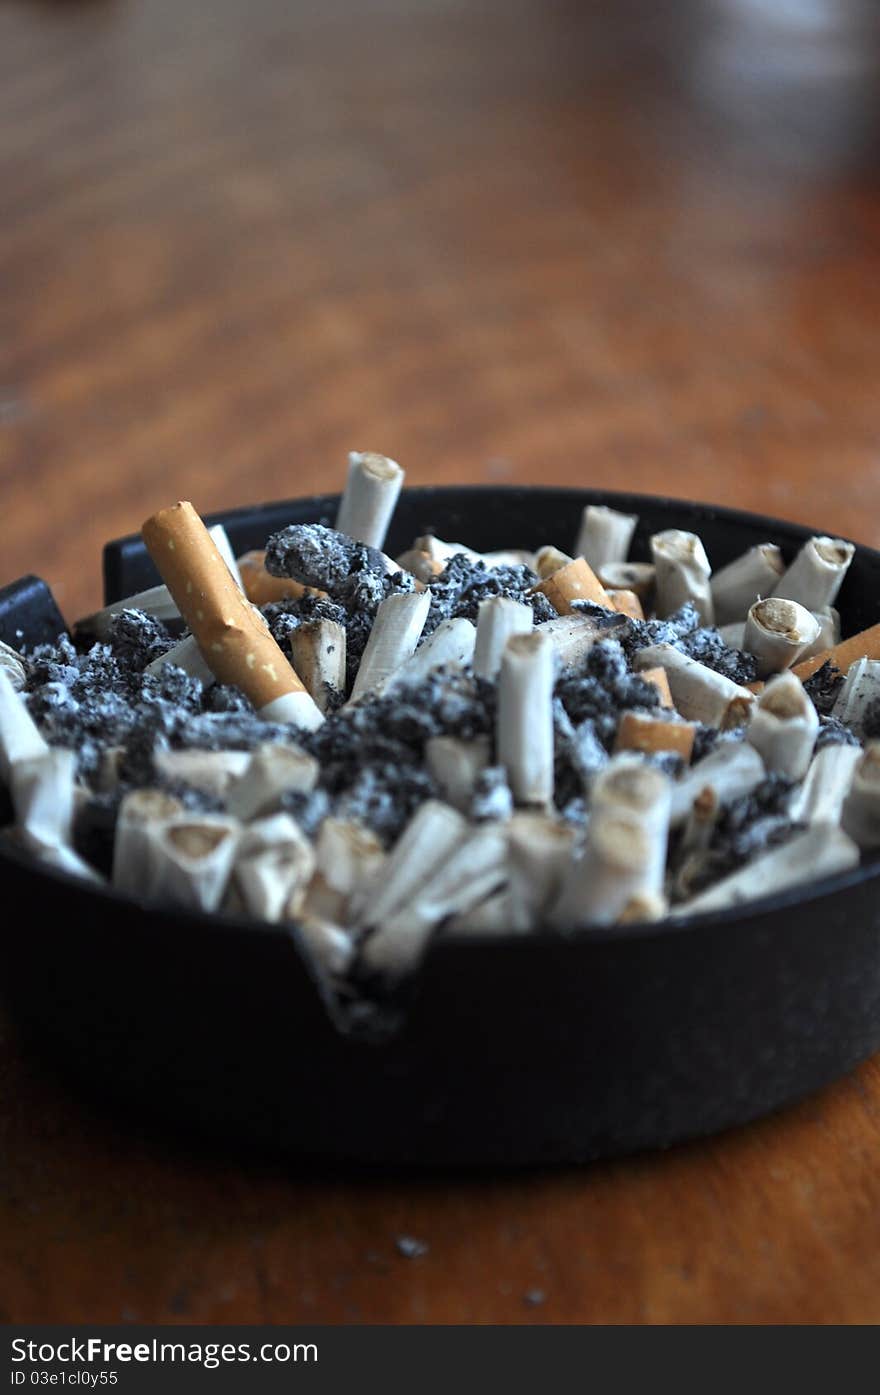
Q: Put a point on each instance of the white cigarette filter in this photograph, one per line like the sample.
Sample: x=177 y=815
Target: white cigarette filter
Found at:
x=818 y=852
x=140 y=815
x=318 y=649
x=473 y=870
x=274 y=861
x=638 y=577
x=816 y=574
x=524 y=730
x=43 y=798
x=272 y=771
x=399 y=622
x=820 y=798
x=736 y=587
x=187 y=655
x=619 y=862
x=348 y=857
x=572 y=637
x=451 y=645
x=683 y=573
x=329 y=946
x=209 y=771
x=861 y=809
x=604 y=536
x=630 y=786
x=455 y=765
x=778 y=632
x=859 y=698
x=13 y=665
x=699 y=693
x=371 y=493
x=733 y=769
x=20 y=739
x=432 y=833
x=784 y=726
x=497 y=619
x=193 y=859
x=539 y=854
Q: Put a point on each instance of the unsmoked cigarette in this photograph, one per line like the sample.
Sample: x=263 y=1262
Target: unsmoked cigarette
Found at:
x=371 y=493
x=644 y=731
x=524 y=732
x=234 y=641
x=574 y=582
x=604 y=536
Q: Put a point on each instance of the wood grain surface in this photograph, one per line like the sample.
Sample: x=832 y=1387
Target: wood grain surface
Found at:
x=549 y=241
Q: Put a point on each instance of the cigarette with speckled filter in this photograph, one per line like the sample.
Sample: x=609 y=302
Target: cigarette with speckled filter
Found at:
x=232 y=638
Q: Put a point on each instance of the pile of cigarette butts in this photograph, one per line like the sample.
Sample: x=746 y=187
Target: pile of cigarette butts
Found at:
x=374 y=751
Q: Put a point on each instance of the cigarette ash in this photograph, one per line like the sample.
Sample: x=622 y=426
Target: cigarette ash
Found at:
x=323 y=558
x=749 y=826
x=823 y=687
x=492 y=799
x=708 y=739
x=602 y=689
x=834 y=732
x=457 y=592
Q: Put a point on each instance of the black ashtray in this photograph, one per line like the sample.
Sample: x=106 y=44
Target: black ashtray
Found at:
x=527 y=1050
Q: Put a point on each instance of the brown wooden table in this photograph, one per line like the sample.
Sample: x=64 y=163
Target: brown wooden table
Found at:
x=625 y=244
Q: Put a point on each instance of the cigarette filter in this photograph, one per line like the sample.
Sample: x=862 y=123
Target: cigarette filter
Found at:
x=640 y=577
x=539 y=854
x=209 y=771
x=733 y=769
x=777 y=632
x=736 y=587
x=816 y=574
x=497 y=619
x=431 y=835
x=43 y=797
x=371 y=493
x=657 y=678
x=820 y=798
x=329 y=946
x=272 y=771
x=644 y=731
x=261 y=588
x=699 y=693
x=627 y=603
x=683 y=573
x=784 y=726
x=605 y=535
x=574 y=582
x=193 y=859
x=399 y=622
x=452 y=643
x=572 y=637
x=348 y=857
x=141 y=813
x=273 y=863
x=13 y=665
x=234 y=642
x=619 y=862
x=455 y=765
x=549 y=560
x=524 y=727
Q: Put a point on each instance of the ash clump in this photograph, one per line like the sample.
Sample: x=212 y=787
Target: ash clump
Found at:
x=492 y=799
x=823 y=687
x=457 y=592
x=706 y=646
x=602 y=689
x=321 y=557
x=834 y=732
x=751 y=825
x=137 y=639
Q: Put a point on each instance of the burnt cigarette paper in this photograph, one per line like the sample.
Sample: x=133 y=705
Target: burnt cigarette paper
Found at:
x=524 y=733
x=683 y=573
x=819 y=852
x=861 y=809
x=193 y=859
x=399 y=622
x=784 y=727
x=497 y=619
x=274 y=861
x=858 y=703
x=604 y=536
x=750 y=578
x=816 y=574
x=778 y=632
x=700 y=694
x=20 y=738
x=371 y=493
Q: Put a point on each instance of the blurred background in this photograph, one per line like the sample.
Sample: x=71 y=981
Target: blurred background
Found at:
x=627 y=243
x=633 y=243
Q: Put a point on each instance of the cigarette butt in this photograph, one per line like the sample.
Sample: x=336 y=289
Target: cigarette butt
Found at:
x=657 y=677
x=628 y=603
x=640 y=577
x=642 y=731
x=423 y=566
x=234 y=642
x=864 y=645
x=549 y=560
x=576 y=581
x=262 y=589
x=371 y=492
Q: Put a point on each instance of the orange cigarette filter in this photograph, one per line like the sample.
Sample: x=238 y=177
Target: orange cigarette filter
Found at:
x=262 y=588
x=232 y=637
x=576 y=581
x=642 y=731
x=627 y=603
x=864 y=645
x=659 y=678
